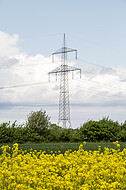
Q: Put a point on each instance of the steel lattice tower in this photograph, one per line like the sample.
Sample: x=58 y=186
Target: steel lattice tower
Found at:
x=64 y=106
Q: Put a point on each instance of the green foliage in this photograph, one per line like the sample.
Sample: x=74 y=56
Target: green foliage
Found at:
x=38 y=121
x=75 y=135
x=4 y=133
x=39 y=129
x=54 y=133
x=38 y=124
x=105 y=130
x=13 y=133
x=122 y=133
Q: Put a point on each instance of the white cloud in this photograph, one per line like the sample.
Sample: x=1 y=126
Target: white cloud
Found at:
x=8 y=44
x=98 y=85
x=17 y=68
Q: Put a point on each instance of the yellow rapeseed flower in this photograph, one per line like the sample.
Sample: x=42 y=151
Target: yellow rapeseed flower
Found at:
x=77 y=170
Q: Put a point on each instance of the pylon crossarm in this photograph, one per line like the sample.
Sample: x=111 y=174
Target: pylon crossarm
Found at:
x=73 y=68
x=66 y=68
x=64 y=50
x=58 y=69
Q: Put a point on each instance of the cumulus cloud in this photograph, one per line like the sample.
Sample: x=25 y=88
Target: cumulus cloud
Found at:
x=98 y=85
x=100 y=91
x=18 y=68
x=8 y=44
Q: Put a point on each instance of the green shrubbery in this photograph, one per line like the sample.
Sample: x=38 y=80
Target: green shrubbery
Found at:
x=102 y=130
x=39 y=129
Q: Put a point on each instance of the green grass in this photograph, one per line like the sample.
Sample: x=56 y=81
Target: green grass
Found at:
x=48 y=147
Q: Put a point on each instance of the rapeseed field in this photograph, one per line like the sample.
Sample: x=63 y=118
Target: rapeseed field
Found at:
x=22 y=170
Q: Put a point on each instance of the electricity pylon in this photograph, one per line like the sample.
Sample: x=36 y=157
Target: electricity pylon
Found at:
x=64 y=106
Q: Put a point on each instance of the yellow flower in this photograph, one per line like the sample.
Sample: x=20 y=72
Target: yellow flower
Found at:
x=77 y=170
x=84 y=142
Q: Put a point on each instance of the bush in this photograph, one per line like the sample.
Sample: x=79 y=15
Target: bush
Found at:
x=102 y=130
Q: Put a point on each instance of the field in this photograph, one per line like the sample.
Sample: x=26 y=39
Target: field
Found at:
x=48 y=147
x=58 y=169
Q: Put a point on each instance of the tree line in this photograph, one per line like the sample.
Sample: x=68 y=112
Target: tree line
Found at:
x=38 y=128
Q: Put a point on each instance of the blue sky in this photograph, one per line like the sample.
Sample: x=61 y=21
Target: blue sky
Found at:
x=31 y=30
x=96 y=28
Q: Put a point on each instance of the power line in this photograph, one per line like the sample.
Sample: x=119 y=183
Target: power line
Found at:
x=97 y=44
x=97 y=91
x=87 y=90
x=15 y=67
x=90 y=81
x=103 y=67
x=24 y=85
x=89 y=62
x=28 y=65
x=46 y=82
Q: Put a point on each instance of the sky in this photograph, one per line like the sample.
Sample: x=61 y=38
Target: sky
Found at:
x=31 y=30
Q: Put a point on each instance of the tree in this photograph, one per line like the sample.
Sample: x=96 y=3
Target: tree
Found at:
x=104 y=129
x=38 y=122
x=55 y=133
